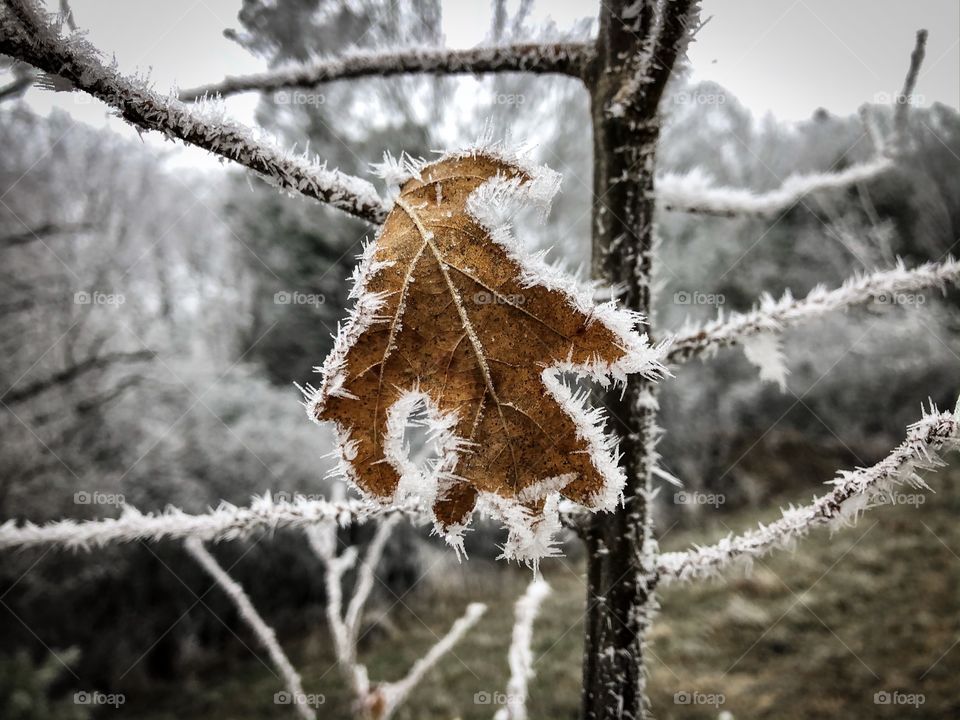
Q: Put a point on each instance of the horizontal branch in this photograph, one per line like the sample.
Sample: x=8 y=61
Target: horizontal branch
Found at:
x=562 y=58
x=27 y=34
x=853 y=493
x=774 y=315
x=692 y=194
x=226 y=522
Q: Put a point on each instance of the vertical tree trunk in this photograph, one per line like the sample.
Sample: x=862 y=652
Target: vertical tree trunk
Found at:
x=620 y=599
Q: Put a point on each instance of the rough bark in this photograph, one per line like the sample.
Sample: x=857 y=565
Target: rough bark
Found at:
x=620 y=600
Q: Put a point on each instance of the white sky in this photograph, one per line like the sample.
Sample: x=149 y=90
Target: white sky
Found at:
x=786 y=57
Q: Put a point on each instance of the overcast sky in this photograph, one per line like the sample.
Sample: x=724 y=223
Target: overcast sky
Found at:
x=786 y=57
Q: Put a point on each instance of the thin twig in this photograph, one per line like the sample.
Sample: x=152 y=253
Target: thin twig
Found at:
x=774 y=315
x=255 y=622
x=562 y=58
x=32 y=38
x=853 y=493
x=901 y=110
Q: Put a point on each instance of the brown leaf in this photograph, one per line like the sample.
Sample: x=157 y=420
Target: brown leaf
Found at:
x=453 y=316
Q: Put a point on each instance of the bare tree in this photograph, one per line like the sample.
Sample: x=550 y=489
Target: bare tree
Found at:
x=626 y=71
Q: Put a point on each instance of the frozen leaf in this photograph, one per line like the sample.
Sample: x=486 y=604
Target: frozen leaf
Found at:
x=453 y=318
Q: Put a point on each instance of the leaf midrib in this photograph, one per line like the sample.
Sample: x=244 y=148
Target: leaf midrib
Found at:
x=427 y=236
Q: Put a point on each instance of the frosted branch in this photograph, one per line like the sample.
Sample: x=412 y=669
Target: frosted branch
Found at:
x=562 y=58
x=367 y=573
x=251 y=617
x=901 y=111
x=520 y=655
x=323 y=541
x=66 y=13
x=773 y=315
x=31 y=37
x=395 y=693
x=853 y=493
x=692 y=193
x=650 y=70
x=381 y=701
x=226 y=522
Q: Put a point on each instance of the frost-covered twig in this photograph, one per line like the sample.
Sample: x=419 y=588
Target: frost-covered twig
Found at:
x=226 y=522
x=367 y=573
x=901 y=110
x=251 y=617
x=345 y=626
x=66 y=13
x=28 y=35
x=774 y=315
x=381 y=700
x=520 y=655
x=323 y=541
x=653 y=66
x=393 y=694
x=692 y=193
x=853 y=493
x=563 y=58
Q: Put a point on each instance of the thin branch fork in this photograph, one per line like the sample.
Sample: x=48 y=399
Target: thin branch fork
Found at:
x=562 y=58
x=28 y=35
x=381 y=700
x=853 y=493
x=772 y=315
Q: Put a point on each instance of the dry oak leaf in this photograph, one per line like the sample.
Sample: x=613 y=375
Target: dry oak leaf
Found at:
x=455 y=319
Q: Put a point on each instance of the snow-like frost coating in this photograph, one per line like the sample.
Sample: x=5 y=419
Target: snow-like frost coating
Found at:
x=493 y=205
